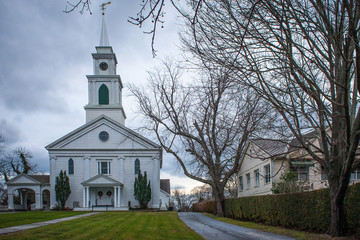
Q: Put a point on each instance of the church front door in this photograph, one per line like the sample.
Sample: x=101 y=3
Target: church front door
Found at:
x=105 y=196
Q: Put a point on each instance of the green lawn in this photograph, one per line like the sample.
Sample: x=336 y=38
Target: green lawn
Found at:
x=114 y=225
x=21 y=218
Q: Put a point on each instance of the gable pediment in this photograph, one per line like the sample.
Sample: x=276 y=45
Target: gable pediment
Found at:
x=87 y=137
x=23 y=179
x=101 y=180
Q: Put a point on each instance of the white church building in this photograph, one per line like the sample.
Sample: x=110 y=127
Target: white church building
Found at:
x=103 y=157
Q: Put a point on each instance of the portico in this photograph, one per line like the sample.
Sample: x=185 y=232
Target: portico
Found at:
x=32 y=192
x=100 y=192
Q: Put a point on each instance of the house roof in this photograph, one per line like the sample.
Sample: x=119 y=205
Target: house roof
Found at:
x=296 y=144
x=29 y=180
x=165 y=185
x=41 y=178
x=273 y=147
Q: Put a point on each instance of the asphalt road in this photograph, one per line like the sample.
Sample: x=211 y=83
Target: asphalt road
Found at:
x=212 y=229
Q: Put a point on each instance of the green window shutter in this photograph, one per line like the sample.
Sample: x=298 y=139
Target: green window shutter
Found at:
x=103 y=95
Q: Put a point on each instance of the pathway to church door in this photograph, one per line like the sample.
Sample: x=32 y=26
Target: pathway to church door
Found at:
x=105 y=196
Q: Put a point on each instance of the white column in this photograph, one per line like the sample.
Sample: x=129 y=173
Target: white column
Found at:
x=37 y=200
x=87 y=196
x=121 y=169
x=10 y=201
x=113 y=91
x=53 y=175
x=119 y=200
x=115 y=199
x=84 y=196
x=156 y=183
x=95 y=93
x=117 y=90
x=87 y=167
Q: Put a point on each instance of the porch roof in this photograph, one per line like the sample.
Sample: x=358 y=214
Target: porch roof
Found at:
x=101 y=181
x=301 y=162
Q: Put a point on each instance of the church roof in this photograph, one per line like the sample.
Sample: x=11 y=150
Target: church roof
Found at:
x=103 y=117
x=165 y=185
x=62 y=142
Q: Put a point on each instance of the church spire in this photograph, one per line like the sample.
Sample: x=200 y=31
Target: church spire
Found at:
x=104 y=39
x=105 y=86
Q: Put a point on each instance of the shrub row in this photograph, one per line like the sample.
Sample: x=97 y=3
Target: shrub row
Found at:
x=204 y=206
x=304 y=211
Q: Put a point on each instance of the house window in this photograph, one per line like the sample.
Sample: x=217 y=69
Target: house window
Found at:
x=241 y=183
x=267 y=173
x=103 y=95
x=355 y=174
x=137 y=166
x=257 y=177
x=104 y=167
x=71 y=166
x=302 y=172
x=248 y=181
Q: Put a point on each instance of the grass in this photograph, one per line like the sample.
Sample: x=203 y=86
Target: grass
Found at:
x=114 y=225
x=277 y=230
x=21 y=218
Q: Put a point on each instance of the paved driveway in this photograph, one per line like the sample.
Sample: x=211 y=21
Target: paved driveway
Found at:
x=212 y=229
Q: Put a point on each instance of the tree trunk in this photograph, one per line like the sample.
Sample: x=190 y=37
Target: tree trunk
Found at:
x=337 y=211
x=219 y=203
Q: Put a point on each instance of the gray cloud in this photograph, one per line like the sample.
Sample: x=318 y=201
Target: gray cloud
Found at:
x=45 y=57
x=9 y=132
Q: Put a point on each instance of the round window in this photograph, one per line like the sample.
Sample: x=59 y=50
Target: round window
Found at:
x=104 y=136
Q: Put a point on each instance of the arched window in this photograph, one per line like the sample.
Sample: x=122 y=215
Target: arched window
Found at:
x=137 y=166
x=71 y=166
x=103 y=95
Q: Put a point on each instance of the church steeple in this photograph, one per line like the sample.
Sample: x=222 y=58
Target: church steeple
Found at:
x=105 y=87
x=104 y=39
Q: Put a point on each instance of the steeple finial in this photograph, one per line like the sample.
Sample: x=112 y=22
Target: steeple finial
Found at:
x=104 y=39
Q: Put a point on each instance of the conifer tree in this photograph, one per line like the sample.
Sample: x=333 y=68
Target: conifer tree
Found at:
x=142 y=190
x=62 y=189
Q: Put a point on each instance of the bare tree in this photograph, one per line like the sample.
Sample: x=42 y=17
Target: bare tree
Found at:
x=183 y=200
x=204 y=124
x=202 y=193
x=152 y=11
x=303 y=57
x=16 y=162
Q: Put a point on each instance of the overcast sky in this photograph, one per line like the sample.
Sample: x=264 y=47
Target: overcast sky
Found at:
x=45 y=57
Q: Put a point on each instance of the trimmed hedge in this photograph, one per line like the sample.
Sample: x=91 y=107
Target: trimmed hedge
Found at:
x=308 y=211
x=204 y=206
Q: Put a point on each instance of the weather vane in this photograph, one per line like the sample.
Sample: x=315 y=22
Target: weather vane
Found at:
x=103 y=7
